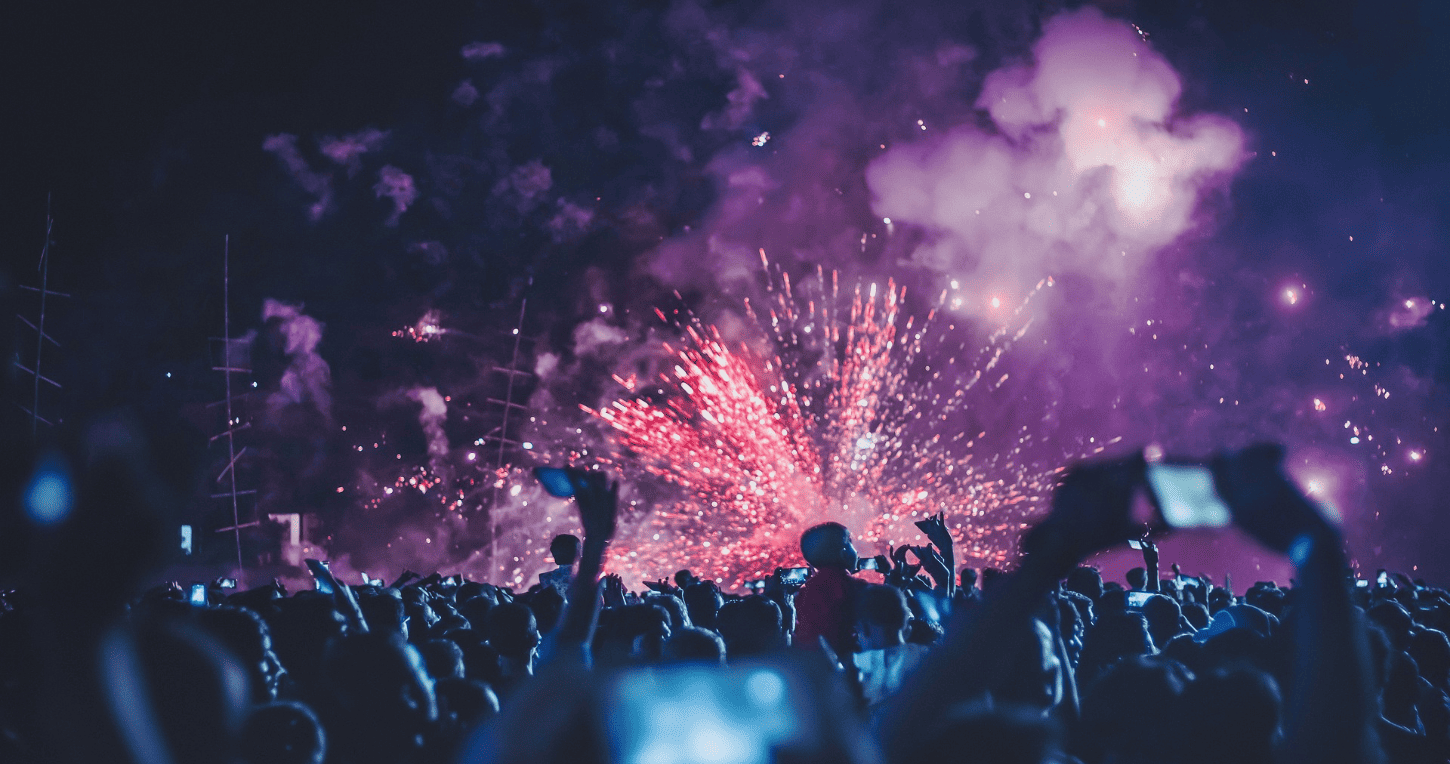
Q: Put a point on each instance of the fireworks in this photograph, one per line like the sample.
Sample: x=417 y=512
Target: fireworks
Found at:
x=846 y=416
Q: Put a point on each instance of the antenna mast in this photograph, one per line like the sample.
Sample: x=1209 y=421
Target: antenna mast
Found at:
x=39 y=327
x=231 y=365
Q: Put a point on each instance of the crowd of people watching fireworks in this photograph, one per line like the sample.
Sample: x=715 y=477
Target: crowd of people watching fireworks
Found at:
x=1047 y=662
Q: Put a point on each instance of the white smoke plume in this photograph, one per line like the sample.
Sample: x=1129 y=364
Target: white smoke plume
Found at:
x=308 y=378
x=1089 y=168
x=432 y=414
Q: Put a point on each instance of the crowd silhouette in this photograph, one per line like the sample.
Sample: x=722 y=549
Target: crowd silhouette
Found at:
x=1045 y=662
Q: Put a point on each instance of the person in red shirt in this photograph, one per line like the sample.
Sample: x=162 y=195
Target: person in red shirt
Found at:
x=825 y=606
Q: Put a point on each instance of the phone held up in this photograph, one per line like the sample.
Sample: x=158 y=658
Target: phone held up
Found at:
x=556 y=481
x=1182 y=493
x=198 y=595
x=794 y=576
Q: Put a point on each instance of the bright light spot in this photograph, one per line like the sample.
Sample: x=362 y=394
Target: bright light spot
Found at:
x=1026 y=195
x=48 y=498
x=472 y=456
x=528 y=446
x=1353 y=441
x=1102 y=123
x=1415 y=456
x=760 y=140
x=1318 y=405
x=388 y=491
x=765 y=687
x=956 y=284
x=887 y=221
x=254 y=384
x=514 y=491
x=339 y=489
x=996 y=302
x=1408 y=304
x=1291 y=296
x=168 y=375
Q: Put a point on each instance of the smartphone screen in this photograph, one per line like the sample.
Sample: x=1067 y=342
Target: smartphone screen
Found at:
x=228 y=583
x=1186 y=496
x=1361 y=584
x=1138 y=599
x=198 y=595
x=690 y=715
x=869 y=563
x=1135 y=544
x=556 y=481
x=1382 y=580
x=795 y=575
x=186 y=539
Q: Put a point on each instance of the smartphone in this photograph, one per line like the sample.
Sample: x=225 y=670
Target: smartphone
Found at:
x=198 y=595
x=689 y=714
x=227 y=583
x=186 y=539
x=795 y=576
x=1186 y=497
x=1361 y=583
x=869 y=563
x=556 y=481
x=1135 y=544
x=1382 y=579
x=321 y=576
x=1138 y=599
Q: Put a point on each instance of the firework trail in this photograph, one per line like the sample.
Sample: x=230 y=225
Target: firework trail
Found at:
x=852 y=416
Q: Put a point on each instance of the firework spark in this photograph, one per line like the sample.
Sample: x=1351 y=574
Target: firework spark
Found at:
x=846 y=417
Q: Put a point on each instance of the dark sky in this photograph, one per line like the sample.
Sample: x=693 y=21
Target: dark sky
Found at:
x=145 y=125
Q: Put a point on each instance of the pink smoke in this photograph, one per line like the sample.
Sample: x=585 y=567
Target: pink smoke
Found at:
x=398 y=186
x=308 y=378
x=1089 y=168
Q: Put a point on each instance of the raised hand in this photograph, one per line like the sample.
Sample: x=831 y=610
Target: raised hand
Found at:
x=1263 y=501
x=935 y=528
x=598 y=501
x=935 y=566
x=613 y=591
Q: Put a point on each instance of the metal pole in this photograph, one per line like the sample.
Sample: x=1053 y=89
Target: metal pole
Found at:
x=40 y=340
x=227 y=362
x=503 y=435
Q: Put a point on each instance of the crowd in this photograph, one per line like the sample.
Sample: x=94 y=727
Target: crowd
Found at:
x=1047 y=662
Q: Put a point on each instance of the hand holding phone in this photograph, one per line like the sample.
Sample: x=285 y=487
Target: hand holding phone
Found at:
x=198 y=595
x=1263 y=501
x=794 y=576
x=1185 y=496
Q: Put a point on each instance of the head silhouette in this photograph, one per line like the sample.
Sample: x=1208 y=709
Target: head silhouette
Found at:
x=565 y=549
x=828 y=545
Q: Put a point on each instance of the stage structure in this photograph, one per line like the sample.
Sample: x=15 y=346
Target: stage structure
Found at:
x=38 y=326
x=235 y=358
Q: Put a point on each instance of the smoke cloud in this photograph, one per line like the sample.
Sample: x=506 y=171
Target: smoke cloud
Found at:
x=1089 y=168
x=307 y=379
x=432 y=414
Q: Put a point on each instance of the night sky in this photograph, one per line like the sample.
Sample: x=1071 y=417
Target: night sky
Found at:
x=372 y=162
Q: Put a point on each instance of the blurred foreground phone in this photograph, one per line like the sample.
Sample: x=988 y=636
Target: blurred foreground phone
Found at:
x=1382 y=579
x=321 y=576
x=227 y=583
x=198 y=595
x=795 y=576
x=556 y=481
x=1360 y=583
x=745 y=714
x=869 y=563
x=1138 y=599
x=1185 y=496
x=1135 y=544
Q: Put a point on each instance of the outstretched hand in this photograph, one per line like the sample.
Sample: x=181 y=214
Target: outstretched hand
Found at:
x=1091 y=511
x=598 y=501
x=935 y=528
x=1263 y=501
x=613 y=587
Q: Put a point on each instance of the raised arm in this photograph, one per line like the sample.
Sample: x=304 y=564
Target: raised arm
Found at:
x=598 y=501
x=1329 y=710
